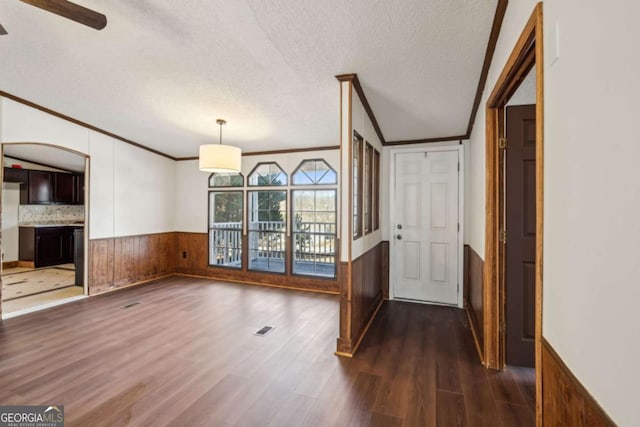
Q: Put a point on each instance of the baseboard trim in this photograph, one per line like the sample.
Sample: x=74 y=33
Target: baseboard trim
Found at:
x=343 y=354
x=26 y=264
x=564 y=398
x=9 y=264
x=467 y=309
x=268 y=285
x=131 y=285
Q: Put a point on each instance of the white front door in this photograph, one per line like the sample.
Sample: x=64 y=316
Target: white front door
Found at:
x=425 y=233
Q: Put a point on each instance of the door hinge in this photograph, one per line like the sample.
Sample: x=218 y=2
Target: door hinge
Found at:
x=503 y=236
x=458 y=227
x=503 y=327
x=502 y=143
x=458 y=166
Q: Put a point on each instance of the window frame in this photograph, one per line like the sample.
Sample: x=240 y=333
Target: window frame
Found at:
x=367 y=192
x=357 y=146
x=253 y=171
x=295 y=171
x=209 y=228
x=225 y=186
x=376 y=190
x=276 y=188
x=335 y=233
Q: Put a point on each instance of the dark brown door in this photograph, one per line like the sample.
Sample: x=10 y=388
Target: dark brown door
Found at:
x=520 y=205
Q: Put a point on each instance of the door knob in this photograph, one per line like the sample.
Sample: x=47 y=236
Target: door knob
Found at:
x=399 y=237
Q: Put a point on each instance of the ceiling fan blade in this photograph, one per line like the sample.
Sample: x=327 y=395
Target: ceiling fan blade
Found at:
x=3 y=32
x=71 y=11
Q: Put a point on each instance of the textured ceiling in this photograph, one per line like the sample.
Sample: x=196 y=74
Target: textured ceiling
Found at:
x=162 y=71
x=51 y=156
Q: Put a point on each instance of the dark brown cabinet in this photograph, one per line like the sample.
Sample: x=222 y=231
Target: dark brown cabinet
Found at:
x=16 y=175
x=46 y=245
x=39 y=188
x=64 y=188
x=45 y=187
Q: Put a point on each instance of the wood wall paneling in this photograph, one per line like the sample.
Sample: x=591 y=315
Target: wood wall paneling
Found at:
x=565 y=400
x=101 y=257
x=385 y=269
x=474 y=290
x=125 y=261
x=361 y=295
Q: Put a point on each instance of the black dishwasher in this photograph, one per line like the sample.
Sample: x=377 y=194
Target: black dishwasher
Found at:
x=78 y=255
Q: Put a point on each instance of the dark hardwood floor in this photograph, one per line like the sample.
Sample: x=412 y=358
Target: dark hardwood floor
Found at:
x=185 y=355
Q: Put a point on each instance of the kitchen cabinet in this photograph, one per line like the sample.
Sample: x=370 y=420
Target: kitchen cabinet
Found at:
x=16 y=175
x=46 y=187
x=46 y=246
x=65 y=188
x=38 y=189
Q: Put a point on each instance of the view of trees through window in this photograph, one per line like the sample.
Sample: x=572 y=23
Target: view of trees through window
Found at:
x=313 y=223
x=267 y=230
x=225 y=228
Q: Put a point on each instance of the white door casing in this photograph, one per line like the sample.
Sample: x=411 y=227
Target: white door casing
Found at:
x=426 y=198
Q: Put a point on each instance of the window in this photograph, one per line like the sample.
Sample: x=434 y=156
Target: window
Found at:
x=226 y=180
x=368 y=188
x=267 y=219
x=314 y=220
x=267 y=174
x=225 y=228
x=314 y=172
x=376 y=189
x=300 y=241
x=356 y=188
x=267 y=230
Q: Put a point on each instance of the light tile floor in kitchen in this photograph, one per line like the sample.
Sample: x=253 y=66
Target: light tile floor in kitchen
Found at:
x=24 y=288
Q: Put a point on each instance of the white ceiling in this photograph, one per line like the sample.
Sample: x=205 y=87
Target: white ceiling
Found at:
x=162 y=71
x=45 y=155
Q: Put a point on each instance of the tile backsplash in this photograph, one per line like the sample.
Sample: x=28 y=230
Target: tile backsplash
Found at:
x=50 y=213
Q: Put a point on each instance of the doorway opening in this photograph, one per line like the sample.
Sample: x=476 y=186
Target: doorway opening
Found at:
x=44 y=211
x=513 y=256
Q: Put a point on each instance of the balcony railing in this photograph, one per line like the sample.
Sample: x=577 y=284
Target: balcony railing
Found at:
x=314 y=246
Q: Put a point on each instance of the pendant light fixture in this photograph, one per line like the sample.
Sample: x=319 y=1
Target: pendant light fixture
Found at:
x=220 y=158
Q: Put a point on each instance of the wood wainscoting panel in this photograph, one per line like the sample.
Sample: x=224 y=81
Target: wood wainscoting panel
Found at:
x=126 y=261
x=101 y=255
x=120 y=262
x=385 y=269
x=191 y=259
x=565 y=401
x=474 y=290
x=361 y=296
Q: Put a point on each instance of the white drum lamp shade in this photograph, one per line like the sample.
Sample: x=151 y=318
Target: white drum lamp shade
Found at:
x=220 y=158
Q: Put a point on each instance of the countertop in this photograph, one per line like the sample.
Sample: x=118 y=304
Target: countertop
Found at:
x=51 y=224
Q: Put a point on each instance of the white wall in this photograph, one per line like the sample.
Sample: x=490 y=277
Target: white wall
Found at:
x=10 y=203
x=132 y=191
x=192 y=185
x=518 y=12
x=592 y=191
x=592 y=198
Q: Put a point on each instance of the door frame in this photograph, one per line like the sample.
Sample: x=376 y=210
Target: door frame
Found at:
x=392 y=218
x=527 y=53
